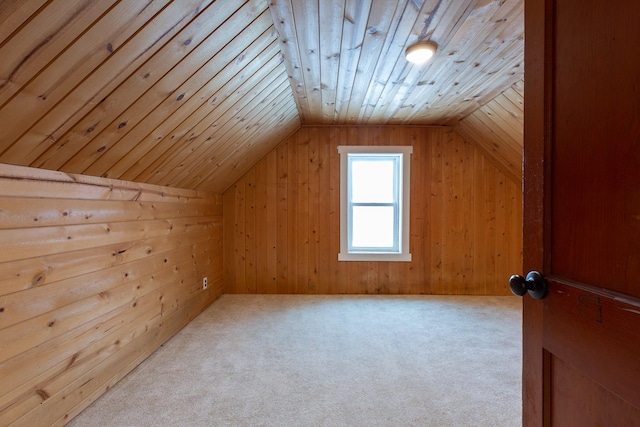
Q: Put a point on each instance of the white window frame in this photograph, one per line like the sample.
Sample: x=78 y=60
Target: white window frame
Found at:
x=403 y=254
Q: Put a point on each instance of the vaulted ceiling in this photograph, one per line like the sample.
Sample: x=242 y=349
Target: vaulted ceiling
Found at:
x=192 y=93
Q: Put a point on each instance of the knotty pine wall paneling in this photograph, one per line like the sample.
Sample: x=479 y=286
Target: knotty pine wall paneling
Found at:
x=282 y=219
x=95 y=274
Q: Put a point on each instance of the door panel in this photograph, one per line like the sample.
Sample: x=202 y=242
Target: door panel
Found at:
x=597 y=408
x=581 y=344
x=598 y=335
x=595 y=200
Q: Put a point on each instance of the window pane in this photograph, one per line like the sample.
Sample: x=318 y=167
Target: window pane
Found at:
x=373 y=227
x=372 y=181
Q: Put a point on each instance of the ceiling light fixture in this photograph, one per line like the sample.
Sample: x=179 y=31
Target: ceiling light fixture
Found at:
x=421 y=51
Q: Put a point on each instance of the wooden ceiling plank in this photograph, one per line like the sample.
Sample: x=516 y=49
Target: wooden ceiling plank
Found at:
x=415 y=87
x=458 y=107
x=331 y=15
x=209 y=125
x=512 y=110
x=395 y=46
x=210 y=156
x=88 y=52
x=501 y=61
x=451 y=63
x=505 y=123
x=102 y=81
x=175 y=89
x=482 y=87
x=504 y=31
x=15 y=14
x=463 y=41
x=29 y=52
x=510 y=146
x=209 y=132
x=354 y=26
x=147 y=148
x=490 y=151
x=480 y=119
x=145 y=86
x=376 y=38
x=306 y=23
x=519 y=87
x=515 y=97
x=472 y=31
x=45 y=37
x=487 y=135
x=194 y=164
x=220 y=102
x=405 y=76
x=230 y=171
x=483 y=91
x=456 y=67
x=282 y=122
x=243 y=114
x=171 y=138
x=283 y=21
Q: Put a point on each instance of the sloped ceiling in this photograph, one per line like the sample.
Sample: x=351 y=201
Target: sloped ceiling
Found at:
x=192 y=93
x=497 y=128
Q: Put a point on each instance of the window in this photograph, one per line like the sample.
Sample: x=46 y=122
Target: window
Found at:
x=374 y=203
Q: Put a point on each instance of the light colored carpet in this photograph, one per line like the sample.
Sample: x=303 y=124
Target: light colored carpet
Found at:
x=297 y=360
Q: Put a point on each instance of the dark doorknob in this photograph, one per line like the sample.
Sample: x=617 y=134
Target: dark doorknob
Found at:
x=534 y=284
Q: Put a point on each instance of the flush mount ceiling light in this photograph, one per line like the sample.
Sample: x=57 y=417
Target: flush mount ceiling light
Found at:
x=421 y=51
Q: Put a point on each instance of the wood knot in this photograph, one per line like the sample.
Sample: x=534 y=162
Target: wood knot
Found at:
x=38 y=279
x=73 y=359
x=43 y=394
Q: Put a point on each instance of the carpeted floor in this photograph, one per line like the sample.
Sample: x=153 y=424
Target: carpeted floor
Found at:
x=294 y=360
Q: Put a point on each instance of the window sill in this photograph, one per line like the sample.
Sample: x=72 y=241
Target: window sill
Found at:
x=374 y=257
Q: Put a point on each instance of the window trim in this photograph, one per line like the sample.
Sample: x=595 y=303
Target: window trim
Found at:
x=404 y=233
x=396 y=204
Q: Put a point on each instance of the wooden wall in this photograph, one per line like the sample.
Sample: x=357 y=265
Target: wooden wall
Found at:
x=282 y=219
x=95 y=274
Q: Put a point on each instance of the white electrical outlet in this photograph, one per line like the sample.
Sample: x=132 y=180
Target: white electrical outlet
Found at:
x=204 y=283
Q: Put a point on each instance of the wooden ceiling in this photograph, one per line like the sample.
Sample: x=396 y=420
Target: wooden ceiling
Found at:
x=497 y=128
x=347 y=63
x=192 y=93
